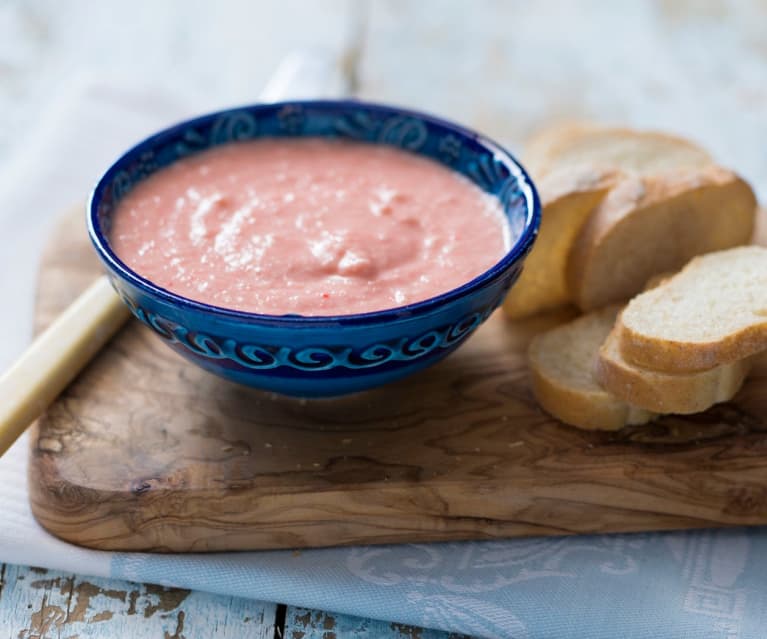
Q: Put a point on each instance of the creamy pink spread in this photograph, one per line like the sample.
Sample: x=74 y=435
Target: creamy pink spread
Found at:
x=308 y=226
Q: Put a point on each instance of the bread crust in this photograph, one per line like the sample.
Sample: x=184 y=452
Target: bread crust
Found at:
x=650 y=349
x=584 y=411
x=647 y=225
x=559 y=390
x=690 y=357
x=679 y=393
x=568 y=198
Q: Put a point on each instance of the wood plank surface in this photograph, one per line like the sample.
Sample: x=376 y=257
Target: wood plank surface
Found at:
x=302 y=623
x=145 y=451
x=36 y=603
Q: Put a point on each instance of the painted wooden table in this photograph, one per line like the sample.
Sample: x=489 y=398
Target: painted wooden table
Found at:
x=507 y=68
x=44 y=604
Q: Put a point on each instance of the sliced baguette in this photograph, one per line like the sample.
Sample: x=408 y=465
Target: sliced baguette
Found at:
x=540 y=151
x=561 y=363
x=679 y=393
x=713 y=312
x=647 y=225
x=666 y=208
x=641 y=152
x=568 y=197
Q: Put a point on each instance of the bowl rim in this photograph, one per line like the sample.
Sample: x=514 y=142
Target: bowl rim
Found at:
x=517 y=250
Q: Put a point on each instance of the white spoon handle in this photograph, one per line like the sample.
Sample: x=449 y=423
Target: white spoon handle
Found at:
x=56 y=356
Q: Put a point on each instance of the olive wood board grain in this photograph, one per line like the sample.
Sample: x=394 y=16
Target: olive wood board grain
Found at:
x=147 y=452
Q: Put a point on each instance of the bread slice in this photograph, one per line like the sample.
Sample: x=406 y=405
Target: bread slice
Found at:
x=561 y=363
x=679 y=393
x=540 y=150
x=645 y=153
x=650 y=224
x=713 y=312
x=568 y=197
x=667 y=207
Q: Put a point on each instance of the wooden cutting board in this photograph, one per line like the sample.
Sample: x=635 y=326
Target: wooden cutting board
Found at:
x=147 y=452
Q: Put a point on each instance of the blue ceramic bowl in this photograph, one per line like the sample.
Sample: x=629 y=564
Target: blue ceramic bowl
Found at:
x=333 y=355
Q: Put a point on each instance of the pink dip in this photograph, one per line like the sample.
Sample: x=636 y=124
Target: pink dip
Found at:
x=308 y=226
